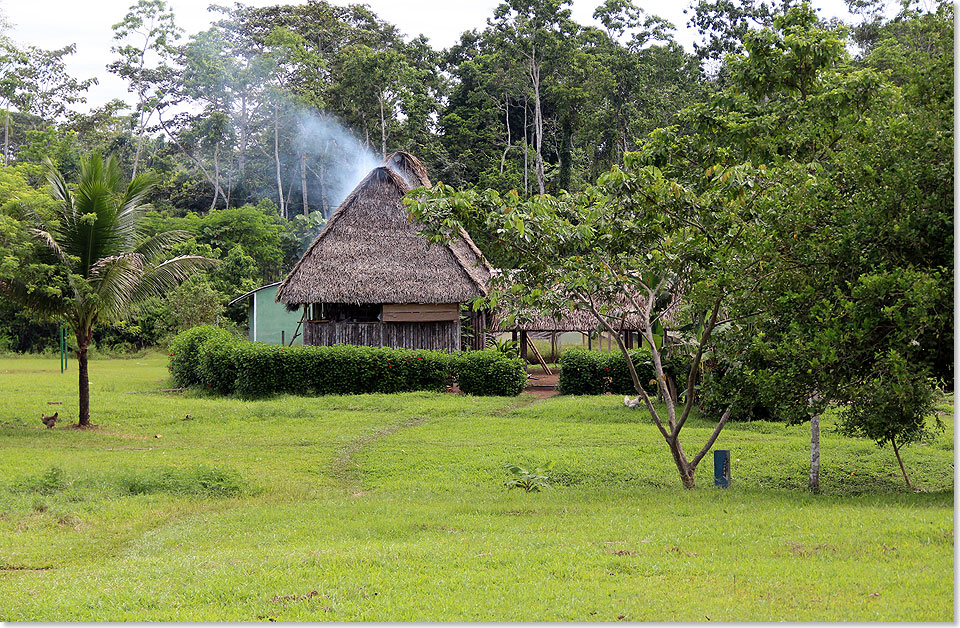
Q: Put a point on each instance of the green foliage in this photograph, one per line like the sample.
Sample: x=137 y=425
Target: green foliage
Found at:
x=489 y=372
x=584 y=372
x=893 y=405
x=184 y=366
x=213 y=359
x=530 y=481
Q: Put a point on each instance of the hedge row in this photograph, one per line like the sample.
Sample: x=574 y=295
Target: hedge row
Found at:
x=211 y=358
x=594 y=373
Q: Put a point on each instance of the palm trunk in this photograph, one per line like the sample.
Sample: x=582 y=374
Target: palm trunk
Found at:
x=84 y=419
x=814 y=484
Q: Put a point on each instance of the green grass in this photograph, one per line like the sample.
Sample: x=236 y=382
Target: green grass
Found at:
x=391 y=508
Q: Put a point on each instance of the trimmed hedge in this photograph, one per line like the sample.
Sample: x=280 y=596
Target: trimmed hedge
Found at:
x=490 y=373
x=585 y=372
x=213 y=359
x=185 y=353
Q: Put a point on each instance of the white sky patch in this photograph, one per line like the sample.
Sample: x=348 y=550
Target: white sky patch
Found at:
x=53 y=24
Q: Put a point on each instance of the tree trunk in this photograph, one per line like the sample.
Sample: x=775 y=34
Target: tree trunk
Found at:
x=84 y=419
x=242 y=157
x=383 y=129
x=814 y=484
x=276 y=157
x=303 y=183
x=896 y=450
x=526 y=144
x=537 y=124
x=6 y=137
x=506 y=117
x=216 y=176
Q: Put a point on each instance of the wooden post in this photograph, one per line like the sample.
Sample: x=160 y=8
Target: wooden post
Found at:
x=523 y=345
x=513 y=335
x=553 y=346
x=543 y=363
x=589 y=341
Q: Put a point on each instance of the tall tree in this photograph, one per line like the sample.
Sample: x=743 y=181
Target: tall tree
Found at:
x=146 y=42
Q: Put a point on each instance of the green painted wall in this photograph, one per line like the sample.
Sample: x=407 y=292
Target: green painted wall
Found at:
x=268 y=318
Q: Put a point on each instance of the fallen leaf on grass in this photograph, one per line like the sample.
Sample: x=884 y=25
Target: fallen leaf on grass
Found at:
x=874 y=595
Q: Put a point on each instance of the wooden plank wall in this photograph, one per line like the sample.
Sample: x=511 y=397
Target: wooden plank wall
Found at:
x=437 y=336
x=411 y=312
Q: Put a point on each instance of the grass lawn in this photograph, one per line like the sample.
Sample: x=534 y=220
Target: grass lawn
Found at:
x=181 y=507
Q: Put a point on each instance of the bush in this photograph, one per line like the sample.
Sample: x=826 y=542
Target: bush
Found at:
x=217 y=356
x=593 y=373
x=490 y=373
x=584 y=372
x=215 y=360
x=185 y=353
x=620 y=381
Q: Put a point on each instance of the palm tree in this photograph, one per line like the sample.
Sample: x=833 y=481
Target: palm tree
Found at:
x=108 y=263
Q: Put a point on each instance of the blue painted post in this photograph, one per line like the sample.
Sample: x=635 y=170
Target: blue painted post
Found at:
x=721 y=468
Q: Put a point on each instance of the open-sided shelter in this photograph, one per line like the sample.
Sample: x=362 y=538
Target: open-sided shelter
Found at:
x=370 y=279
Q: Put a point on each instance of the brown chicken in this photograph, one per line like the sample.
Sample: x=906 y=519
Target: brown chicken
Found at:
x=49 y=421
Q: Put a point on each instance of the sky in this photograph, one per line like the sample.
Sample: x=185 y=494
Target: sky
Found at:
x=53 y=24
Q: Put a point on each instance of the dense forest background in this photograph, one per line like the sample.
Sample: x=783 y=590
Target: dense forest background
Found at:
x=256 y=128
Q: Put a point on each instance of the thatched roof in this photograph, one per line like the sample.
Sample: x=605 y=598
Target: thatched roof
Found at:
x=411 y=169
x=370 y=252
x=572 y=320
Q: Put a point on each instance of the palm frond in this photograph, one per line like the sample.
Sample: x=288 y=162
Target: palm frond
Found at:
x=58 y=184
x=160 y=279
x=114 y=281
x=35 y=298
x=51 y=243
x=160 y=243
x=131 y=206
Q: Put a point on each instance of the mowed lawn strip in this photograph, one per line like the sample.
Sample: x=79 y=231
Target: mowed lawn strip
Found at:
x=392 y=507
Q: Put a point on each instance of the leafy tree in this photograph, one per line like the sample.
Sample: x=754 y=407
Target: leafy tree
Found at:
x=97 y=245
x=146 y=39
x=626 y=248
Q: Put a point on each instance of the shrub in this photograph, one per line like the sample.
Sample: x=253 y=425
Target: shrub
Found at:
x=185 y=353
x=583 y=372
x=217 y=356
x=490 y=373
x=215 y=360
x=620 y=381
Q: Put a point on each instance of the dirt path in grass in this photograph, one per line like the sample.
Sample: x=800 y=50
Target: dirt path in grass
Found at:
x=345 y=468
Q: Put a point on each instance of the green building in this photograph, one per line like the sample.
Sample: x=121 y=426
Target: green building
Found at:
x=271 y=321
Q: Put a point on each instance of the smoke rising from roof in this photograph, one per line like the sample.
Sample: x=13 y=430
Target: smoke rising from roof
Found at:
x=329 y=146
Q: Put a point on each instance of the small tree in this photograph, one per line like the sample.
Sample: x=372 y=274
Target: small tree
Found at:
x=892 y=407
x=104 y=258
x=627 y=249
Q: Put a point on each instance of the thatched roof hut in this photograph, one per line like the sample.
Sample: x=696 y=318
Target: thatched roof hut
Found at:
x=370 y=254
